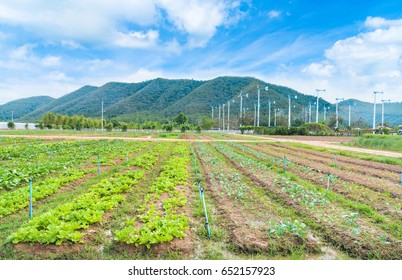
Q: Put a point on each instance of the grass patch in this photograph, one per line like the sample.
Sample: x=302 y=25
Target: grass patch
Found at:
x=378 y=142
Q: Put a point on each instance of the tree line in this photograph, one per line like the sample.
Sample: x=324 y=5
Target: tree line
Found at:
x=80 y=122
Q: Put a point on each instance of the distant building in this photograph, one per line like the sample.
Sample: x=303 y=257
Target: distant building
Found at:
x=19 y=126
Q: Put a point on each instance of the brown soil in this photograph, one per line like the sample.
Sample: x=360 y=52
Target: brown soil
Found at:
x=187 y=136
x=247 y=238
x=334 y=234
x=43 y=251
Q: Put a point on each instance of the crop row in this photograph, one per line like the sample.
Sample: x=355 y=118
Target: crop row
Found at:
x=12 y=201
x=379 y=170
x=339 y=224
x=159 y=219
x=66 y=156
x=377 y=200
x=65 y=221
x=351 y=173
x=256 y=221
x=344 y=160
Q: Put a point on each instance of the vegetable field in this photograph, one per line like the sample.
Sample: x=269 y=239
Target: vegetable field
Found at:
x=182 y=199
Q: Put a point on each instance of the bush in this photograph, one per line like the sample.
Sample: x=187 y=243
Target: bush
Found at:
x=318 y=129
x=11 y=125
x=109 y=127
x=184 y=128
x=168 y=127
x=124 y=127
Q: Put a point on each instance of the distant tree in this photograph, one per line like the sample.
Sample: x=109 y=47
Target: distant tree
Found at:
x=124 y=126
x=181 y=118
x=198 y=129
x=206 y=123
x=184 y=128
x=115 y=123
x=168 y=127
x=360 y=123
x=109 y=127
x=297 y=122
x=332 y=121
x=11 y=125
x=49 y=119
x=27 y=126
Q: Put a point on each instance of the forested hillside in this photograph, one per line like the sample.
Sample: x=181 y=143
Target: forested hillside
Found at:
x=162 y=99
x=22 y=107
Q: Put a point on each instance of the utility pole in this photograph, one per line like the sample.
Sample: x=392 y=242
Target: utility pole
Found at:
x=223 y=117
x=350 y=109
x=337 y=118
x=275 y=116
x=375 y=105
x=255 y=114
x=219 y=118
x=228 y=114
x=269 y=113
x=212 y=107
x=102 y=113
x=290 y=110
x=382 y=113
x=258 y=103
x=241 y=107
x=316 y=114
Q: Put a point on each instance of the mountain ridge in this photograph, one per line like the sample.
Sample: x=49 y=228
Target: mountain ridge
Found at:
x=162 y=99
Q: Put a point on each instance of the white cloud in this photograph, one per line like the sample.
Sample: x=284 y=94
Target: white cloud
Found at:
x=71 y=44
x=319 y=69
x=369 y=61
x=57 y=76
x=378 y=22
x=200 y=19
x=274 y=14
x=51 y=61
x=22 y=52
x=76 y=19
x=137 y=39
x=77 y=22
x=143 y=74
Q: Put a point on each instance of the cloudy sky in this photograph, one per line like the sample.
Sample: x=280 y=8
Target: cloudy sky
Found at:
x=348 y=47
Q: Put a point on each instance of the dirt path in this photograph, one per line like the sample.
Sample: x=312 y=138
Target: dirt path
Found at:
x=327 y=142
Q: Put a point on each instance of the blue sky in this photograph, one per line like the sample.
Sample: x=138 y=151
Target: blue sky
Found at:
x=350 y=48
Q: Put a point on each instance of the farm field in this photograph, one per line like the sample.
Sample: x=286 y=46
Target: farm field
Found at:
x=233 y=197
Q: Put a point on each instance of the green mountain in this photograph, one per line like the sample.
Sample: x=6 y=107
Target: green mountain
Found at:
x=59 y=105
x=22 y=107
x=162 y=99
x=362 y=113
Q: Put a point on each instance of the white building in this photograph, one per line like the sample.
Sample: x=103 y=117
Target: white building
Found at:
x=19 y=126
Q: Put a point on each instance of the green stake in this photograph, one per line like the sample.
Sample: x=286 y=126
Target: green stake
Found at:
x=30 y=198
x=206 y=214
x=284 y=164
x=329 y=178
x=98 y=164
x=401 y=177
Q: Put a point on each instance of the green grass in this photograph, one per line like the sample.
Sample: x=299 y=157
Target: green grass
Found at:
x=169 y=135
x=378 y=142
x=91 y=133
x=364 y=156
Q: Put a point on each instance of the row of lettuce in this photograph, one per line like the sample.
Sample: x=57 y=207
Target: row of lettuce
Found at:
x=69 y=221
